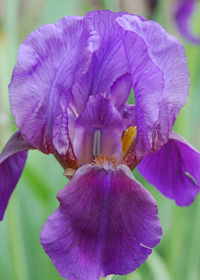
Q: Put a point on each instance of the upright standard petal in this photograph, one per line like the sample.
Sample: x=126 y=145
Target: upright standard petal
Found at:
x=174 y=170
x=107 y=223
x=98 y=130
x=109 y=60
x=182 y=13
x=160 y=80
x=50 y=61
x=12 y=161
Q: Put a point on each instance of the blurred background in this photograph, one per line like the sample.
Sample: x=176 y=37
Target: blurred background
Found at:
x=177 y=257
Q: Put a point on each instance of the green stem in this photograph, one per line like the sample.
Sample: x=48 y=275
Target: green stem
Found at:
x=194 y=253
x=8 y=52
x=109 y=277
x=19 y=263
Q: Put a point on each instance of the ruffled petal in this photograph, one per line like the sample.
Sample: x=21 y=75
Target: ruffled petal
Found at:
x=160 y=80
x=109 y=58
x=107 y=223
x=108 y=63
x=50 y=61
x=12 y=161
x=174 y=170
x=98 y=130
x=182 y=13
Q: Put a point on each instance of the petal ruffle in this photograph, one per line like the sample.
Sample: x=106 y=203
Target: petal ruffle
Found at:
x=160 y=80
x=98 y=130
x=174 y=170
x=12 y=161
x=109 y=60
x=182 y=14
x=50 y=61
x=107 y=223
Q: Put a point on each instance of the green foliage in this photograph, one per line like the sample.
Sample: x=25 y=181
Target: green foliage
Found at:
x=177 y=257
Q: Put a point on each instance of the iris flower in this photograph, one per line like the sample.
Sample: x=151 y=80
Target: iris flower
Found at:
x=182 y=13
x=68 y=94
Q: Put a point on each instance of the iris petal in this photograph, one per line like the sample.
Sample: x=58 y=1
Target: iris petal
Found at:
x=107 y=223
x=174 y=170
x=128 y=114
x=101 y=117
x=12 y=161
x=108 y=63
x=120 y=90
x=160 y=80
x=147 y=83
x=110 y=59
x=49 y=63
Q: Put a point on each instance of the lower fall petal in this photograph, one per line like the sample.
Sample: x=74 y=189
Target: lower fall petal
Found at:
x=174 y=170
x=12 y=161
x=107 y=223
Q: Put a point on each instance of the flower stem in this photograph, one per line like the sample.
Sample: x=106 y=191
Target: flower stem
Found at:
x=19 y=263
x=194 y=253
x=109 y=277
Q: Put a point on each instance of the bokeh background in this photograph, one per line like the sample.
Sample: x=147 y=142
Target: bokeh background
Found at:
x=177 y=257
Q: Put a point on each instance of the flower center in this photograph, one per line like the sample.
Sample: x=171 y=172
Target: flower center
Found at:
x=103 y=161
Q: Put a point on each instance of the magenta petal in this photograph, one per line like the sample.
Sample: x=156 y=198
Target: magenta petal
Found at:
x=174 y=170
x=160 y=80
x=107 y=223
x=98 y=130
x=50 y=61
x=12 y=161
x=182 y=13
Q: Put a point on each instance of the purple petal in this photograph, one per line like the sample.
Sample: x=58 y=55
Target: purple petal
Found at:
x=120 y=90
x=50 y=61
x=12 y=161
x=160 y=80
x=109 y=60
x=98 y=130
x=174 y=170
x=128 y=114
x=182 y=14
x=107 y=223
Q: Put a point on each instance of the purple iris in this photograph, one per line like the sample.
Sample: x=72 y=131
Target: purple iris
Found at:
x=182 y=13
x=68 y=94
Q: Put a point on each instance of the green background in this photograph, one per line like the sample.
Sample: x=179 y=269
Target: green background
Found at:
x=177 y=257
